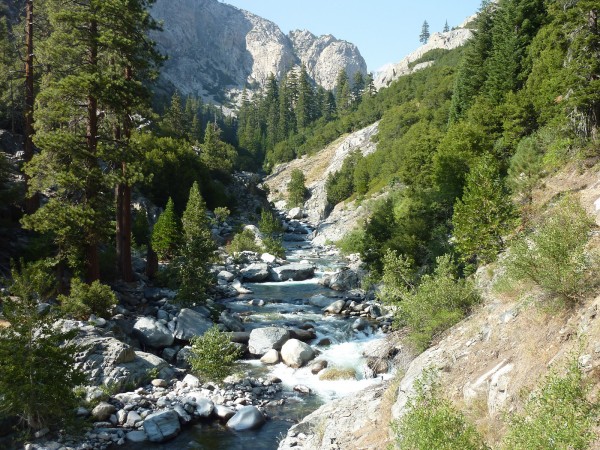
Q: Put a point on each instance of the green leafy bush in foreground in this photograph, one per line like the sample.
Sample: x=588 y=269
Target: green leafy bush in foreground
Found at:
x=213 y=355
x=430 y=305
x=432 y=422
x=86 y=299
x=557 y=416
x=554 y=256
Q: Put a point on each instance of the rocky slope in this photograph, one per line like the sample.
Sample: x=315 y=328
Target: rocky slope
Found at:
x=216 y=49
x=486 y=363
x=330 y=226
x=448 y=41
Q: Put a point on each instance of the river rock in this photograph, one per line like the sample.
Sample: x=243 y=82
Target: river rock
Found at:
x=204 y=407
x=360 y=324
x=303 y=389
x=103 y=411
x=224 y=412
x=336 y=307
x=255 y=273
x=295 y=353
x=162 y=426
x=237 y=285
x=264 y=339
x=231 y=321
x=295 y=213
x=247 y=418
x=239 y=337
x=344 y=280
x=303 y=335
x=318 y=366
x=132 y=419
x=296 y=272
x=321 y=301
x=271 y=357
x=152 y=333
x=191 y=323
x=99 y=357
x=225 y=276
x=136 y=437
x=268 y=258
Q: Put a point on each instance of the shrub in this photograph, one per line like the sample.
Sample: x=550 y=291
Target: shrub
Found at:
x=87 y=299
x=274 y=246
x=432 y=422
x=222 y=213
x=269 y=223
x=296 y=189
x=37 y=362
x=557 y=416
x=213 y=355
x=430 y=305
x=554 y=256
x=242 y=242
x=352 y=242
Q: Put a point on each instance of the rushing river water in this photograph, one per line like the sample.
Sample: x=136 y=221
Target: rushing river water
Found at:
x=286 y=304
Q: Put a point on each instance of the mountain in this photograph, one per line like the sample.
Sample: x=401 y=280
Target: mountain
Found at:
x=215 y=50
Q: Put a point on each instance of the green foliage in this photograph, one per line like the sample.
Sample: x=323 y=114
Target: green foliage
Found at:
x=352 y=242
x=222 y=213
x=87 y=299
x=429 y=307
x=483 y=216
x=526 y=169
x=554 y=255
x=140 y=228
x=166 y=235
x=213 y=355
x=433 y=422
x=424 y=36
x=557 y=416
x=218 y=156
x=37 y=354
x=431 y=55
x=244 y=241
x=269 y=223
x=274 y=246
x=34 y=281
x=296 y=189
x=196 y=252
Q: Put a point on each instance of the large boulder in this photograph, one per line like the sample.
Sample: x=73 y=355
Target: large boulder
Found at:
x=255 y=273
x=162 y=426
x=295 y=271
x=344 y=280
x=321 y=301
x=264 y=339
x=295 y=213
x=231 y=321
x=247 y=418
x=336 y=307
x=191 y=323
x=295 y=353
x=152 y=333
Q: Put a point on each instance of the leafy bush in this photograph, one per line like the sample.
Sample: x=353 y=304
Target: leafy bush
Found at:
x=554 y=256
x=242 y=242
x=352 y=242
x=213 y=355
x=87 y=299
x=38 y=355
x=430 y=305
x=557 y=416
x=296 y=189
x=274 y=246
x=221 y=214
x=432 y=422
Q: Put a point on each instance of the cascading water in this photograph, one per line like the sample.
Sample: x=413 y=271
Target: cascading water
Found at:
x=286 y=304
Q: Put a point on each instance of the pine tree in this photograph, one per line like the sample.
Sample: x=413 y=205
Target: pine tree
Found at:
x=174 y=119
x=45 y=361
x=424 y=36
x=358 y=87
x=296 y=189
x=196 y=251
x=305 y=106
x=166 y=235
x=70 y=136
x=343 y=96
x=217 y=155
x=446 y=27
x=483 y=216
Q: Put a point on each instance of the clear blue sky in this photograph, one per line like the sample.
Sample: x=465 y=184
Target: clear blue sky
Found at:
x=384 y=30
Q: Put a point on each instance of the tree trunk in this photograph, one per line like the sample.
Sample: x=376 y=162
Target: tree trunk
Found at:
x=31 y=203
x=92 y=258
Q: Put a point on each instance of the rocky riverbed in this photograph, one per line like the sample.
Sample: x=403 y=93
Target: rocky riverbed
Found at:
x=300 y=322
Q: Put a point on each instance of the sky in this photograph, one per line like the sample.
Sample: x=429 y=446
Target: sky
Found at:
x=383 y=30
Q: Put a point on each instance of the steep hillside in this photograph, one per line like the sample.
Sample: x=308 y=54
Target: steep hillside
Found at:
x=216 y=49
x=488 y=364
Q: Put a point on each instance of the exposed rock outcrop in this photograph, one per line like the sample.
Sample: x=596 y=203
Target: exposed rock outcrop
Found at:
x=216 y=49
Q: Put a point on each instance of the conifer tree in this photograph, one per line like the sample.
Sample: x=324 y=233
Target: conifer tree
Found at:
x=358 y=87
x=166 y=234
x=424 y=36
x=343 y=96
x=296 y=189
x=483 y=216
x=196 y=251
x=218 y=156
x=446 y=27
x=305 y=106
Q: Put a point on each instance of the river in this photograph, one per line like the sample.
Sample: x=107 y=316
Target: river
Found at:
x=286 y=304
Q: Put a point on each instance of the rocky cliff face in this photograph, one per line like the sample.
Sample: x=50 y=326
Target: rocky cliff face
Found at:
x=216 y=49
x=448 y=41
